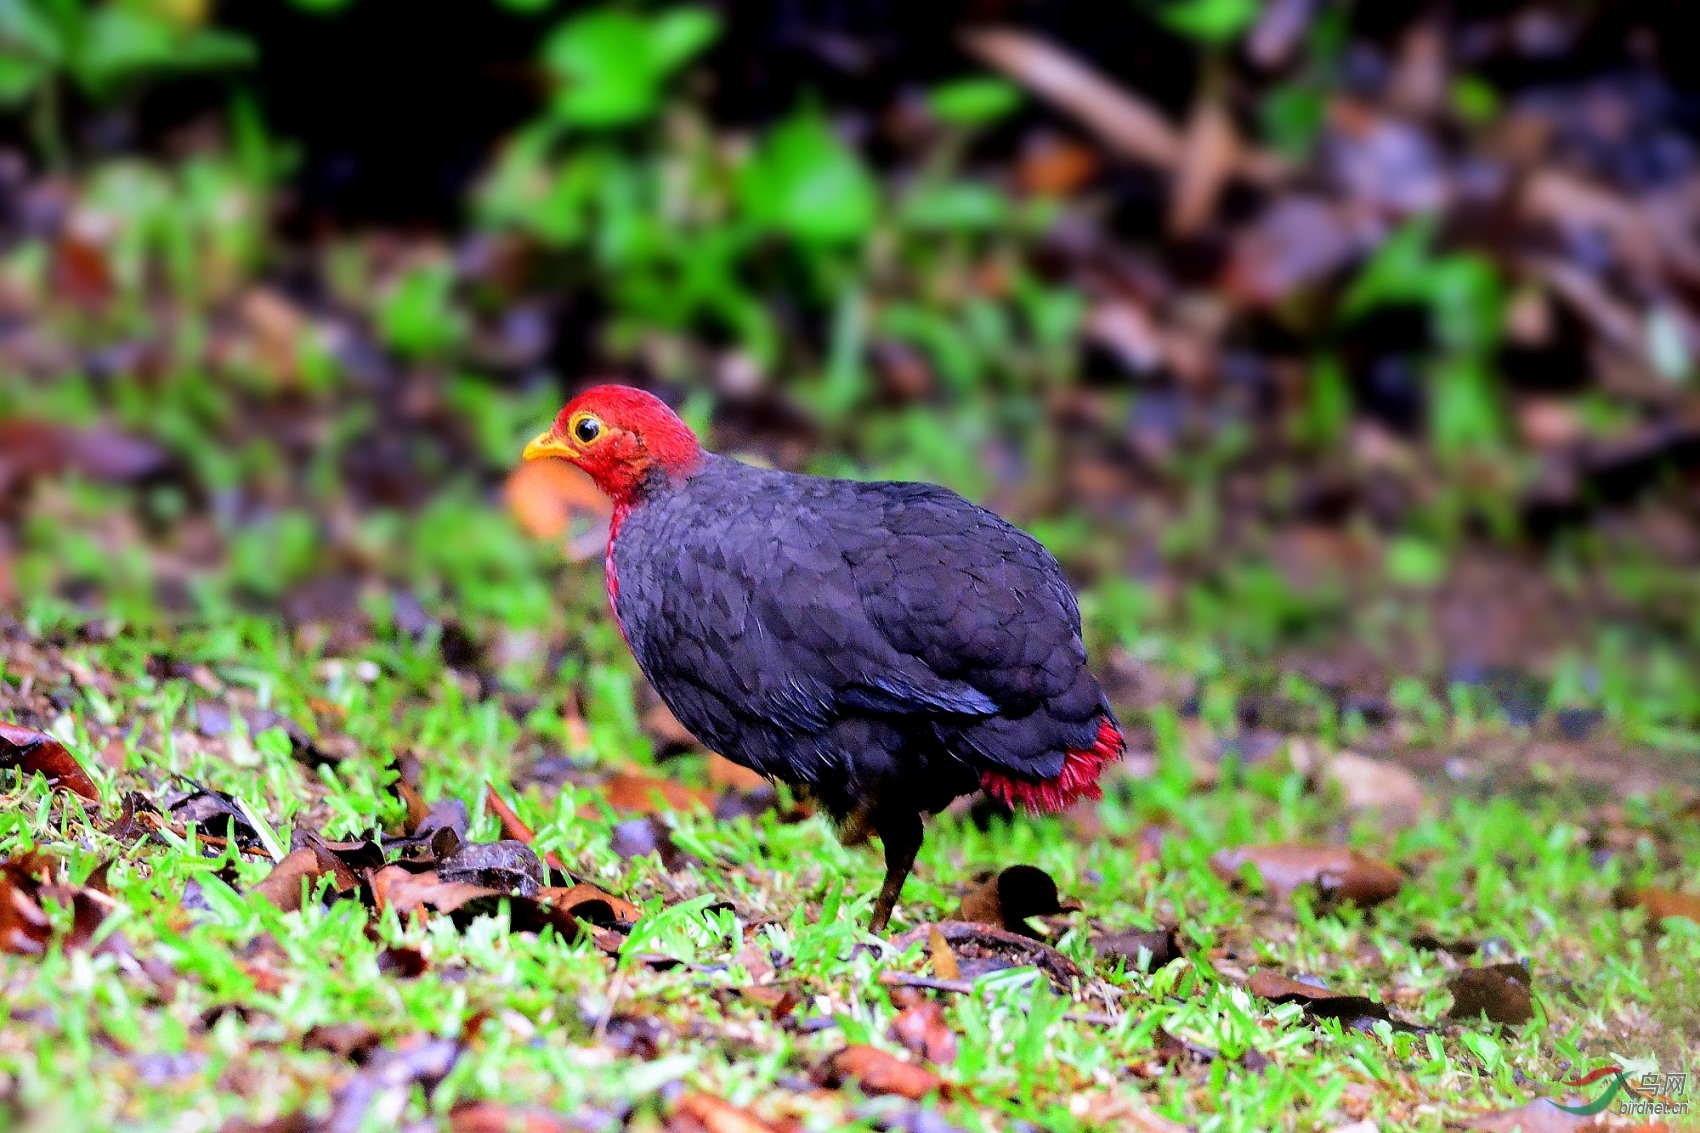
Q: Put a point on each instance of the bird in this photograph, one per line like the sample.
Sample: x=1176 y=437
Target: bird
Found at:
x=885 y=647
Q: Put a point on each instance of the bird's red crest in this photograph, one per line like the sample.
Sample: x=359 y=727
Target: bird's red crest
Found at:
x=1077 y=780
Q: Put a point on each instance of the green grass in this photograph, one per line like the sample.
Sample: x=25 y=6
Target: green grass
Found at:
x=217 y=1030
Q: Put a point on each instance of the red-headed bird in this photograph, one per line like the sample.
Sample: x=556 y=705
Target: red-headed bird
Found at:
x=885 y=647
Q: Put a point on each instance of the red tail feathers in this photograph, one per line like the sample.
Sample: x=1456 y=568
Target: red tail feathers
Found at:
x=1077 y=780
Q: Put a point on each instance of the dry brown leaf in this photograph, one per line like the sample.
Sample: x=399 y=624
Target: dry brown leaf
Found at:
x=637 y=793
x=877 y=1072
x=982 y=948
x=283 y=885
x=1357 y=1011
x=1377 y=785
x=1138 y=949
x=30 y=752
x=592 y=903
x=922 y=1031
x=697 y=1111
x=1052 y=166
x=1124 y=121
x=27 y=886
x=1206 y=162
x=729 y=776
x=945 y=966
x=24 y=926
x=1335 y=872
x=1539 y=1116
x=1499 y=991
x=494 y=1117
x=549 y=498
x=1660 y=903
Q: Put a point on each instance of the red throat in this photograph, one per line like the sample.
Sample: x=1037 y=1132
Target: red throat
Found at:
x=1077 y=780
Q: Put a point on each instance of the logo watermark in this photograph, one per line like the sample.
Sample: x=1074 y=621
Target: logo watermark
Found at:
x=1655 y=1093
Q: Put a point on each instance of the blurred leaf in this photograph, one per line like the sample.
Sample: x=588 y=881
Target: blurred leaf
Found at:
x=1396 y=273
x=1474 y=100
x=18 y=78
x=974 y=102
x=1465 y=415
x=806 y=183
x=1468 y=301
x=418 y=316
x=526 y=6
x=956 y=206
x=1293 y=118
x=321 y=5
x=1216 y=22
x=122 y=43
x=26 y=29
x=612 y=63
x=1328 y=408
x=1415 y=562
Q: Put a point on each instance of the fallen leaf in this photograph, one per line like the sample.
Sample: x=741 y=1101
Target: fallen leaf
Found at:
x=729 y=776
x=1539 y=1116
x=1141 y=950
x=387 y=1079
x=1356 y=1011
x=639 y=837
x=30 y=449
x=403 y=963
x=1336 y=873
x=1053 y=166
x=697 y=1112
x=1010 y=897
x=982 y=948
x=1377 y=785
x=27 y=888
x=508 y=866
x=514 y=827
x=644 y=794
x=920 y=1028
x=283 y=886
x=30 y=752
x=877 y=1072
x=349 y=1041
x=592 y=903
x=1500 y=991
x=1205 y=162
x=495 y=1117
x=945 y=966
x=24 y=925
x=213 y=813
x=1660 y=903
x=551 y=499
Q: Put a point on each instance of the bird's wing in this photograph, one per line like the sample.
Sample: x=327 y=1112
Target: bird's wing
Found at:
x=981 y=604
x=765 y=619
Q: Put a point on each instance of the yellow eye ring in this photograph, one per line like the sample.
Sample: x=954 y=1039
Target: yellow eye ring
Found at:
x=586 y=428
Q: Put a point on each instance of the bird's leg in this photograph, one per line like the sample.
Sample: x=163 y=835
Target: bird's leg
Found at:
x=901 y=834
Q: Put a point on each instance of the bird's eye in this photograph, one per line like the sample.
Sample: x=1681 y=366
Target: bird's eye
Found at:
x=587 y=429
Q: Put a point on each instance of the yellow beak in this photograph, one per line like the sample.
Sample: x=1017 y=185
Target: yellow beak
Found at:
x=545 y=445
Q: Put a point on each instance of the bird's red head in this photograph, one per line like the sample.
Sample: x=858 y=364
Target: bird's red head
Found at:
x=620 y=436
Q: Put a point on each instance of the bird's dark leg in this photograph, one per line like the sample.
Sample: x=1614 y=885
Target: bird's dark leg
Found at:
x=900 y=832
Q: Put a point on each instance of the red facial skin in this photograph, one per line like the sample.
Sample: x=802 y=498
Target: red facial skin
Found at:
x=639 y=433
